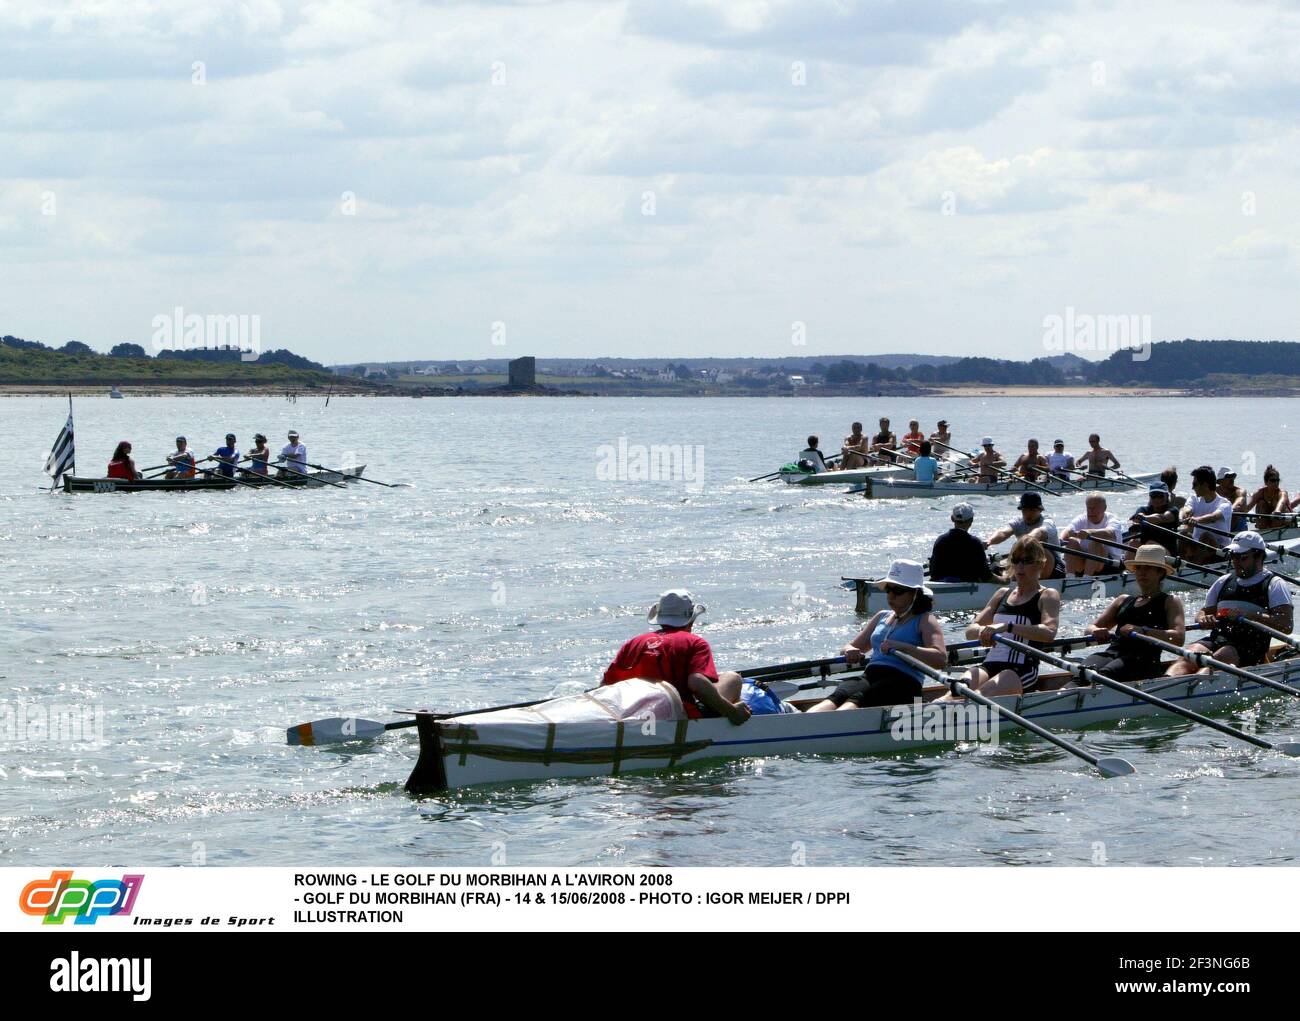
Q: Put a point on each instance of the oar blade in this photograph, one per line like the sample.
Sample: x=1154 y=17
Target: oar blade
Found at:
x=334 y=730
x=1291 y=748
x=1113 y=765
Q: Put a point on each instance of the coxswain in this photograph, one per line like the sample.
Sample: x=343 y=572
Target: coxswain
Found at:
x=259 y=456
x=1096 y=459
x=182 y=462
x=122 y=466
x=293 y=455
x=1248 y=591
x=957 y=555
x=227 y=457
x=1150 y=610
x=1059 y=462
x=674 y=654
x=812 y=454
x=907 y=626
x=853 y=452
x=1031 y=463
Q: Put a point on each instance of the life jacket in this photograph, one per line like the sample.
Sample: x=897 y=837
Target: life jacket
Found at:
x=121 y=470
x=1251 y=645
x=179 y=466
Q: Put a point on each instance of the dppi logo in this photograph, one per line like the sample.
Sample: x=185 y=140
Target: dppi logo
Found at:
x=60 y=896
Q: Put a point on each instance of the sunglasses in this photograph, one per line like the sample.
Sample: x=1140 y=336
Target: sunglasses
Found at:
x=1021 y=561
x=897 y=590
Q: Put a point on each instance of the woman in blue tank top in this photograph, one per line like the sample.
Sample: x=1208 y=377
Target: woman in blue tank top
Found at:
x=908 y=626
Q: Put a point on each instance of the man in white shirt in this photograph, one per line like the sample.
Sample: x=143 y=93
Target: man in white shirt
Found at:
x=1058 y=460
x=293 y=455
x=1248 y=592
x=1205 y=507
x=1095 y=522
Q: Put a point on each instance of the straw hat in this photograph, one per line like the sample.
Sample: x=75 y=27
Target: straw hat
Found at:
x=1150 y=555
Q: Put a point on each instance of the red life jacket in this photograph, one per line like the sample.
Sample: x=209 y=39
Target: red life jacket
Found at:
x=122 y=469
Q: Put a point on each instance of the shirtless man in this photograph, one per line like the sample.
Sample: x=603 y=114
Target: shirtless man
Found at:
x=1030 y=464
x=855 y=446
x=884 y=442
x=1097 y=458
x=986 y=459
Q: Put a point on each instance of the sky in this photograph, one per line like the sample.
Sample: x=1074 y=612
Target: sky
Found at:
x=400 y=180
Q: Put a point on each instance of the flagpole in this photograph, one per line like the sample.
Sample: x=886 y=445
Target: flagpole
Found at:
x=74 y=436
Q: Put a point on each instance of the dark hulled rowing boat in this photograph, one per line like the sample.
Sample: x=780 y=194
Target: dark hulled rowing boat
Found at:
x=206 y=483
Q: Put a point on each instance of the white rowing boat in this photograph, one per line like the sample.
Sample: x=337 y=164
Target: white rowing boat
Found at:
x=890 y=488
x=846 y=476
x=520 y=745
x=956 y=596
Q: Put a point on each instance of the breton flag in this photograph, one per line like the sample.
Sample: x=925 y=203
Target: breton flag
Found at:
x=62 y=456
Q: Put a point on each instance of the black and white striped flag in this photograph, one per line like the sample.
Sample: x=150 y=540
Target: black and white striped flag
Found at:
x=62 y=455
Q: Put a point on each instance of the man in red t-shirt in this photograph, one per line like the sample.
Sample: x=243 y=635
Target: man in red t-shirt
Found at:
x=683 y=659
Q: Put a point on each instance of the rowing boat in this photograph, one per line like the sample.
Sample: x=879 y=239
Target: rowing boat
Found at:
x=898 y=488
x=520 y=745
x=203 y=483
x=845 y=476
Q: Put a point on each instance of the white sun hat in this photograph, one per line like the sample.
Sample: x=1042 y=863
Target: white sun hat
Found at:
x=987 y=441
x=675 y=608
x=906 y=574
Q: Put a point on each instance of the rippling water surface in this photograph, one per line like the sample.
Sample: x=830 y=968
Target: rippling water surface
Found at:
x=203 y=624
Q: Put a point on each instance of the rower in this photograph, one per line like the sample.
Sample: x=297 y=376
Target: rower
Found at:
x=1095 y=523
x=1269 y=499
x=1096 y=459
x=683 y=659
x=924 y=465
x=908 y=626
x=1032 y=525
x=1025 y=610
x=813 y=455
x=1226 y=485
x=293 y=455
x=1060 y=463
x=182 y=461
x=854 y=448
x=941 y=434
x=1248 y=591
x=227 y=457
x=1031 y=463
x=913 y=437
x=122 y=466
x=1151 y=610
x=957 y=555
x=986 y=459
x=1160 y=512
x=259 y=456
x=1170 y=478
x=884 y=443
x=1206 y=507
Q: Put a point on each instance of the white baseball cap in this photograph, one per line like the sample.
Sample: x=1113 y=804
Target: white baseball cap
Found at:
x=1225 y=473
x=987 y=441
x=1247 y=542
x=906 y=574
x=675 y=608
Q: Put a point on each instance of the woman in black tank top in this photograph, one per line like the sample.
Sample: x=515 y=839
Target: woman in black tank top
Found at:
x=1151 y=609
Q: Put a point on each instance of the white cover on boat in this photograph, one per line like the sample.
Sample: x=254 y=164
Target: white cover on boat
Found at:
x=610 y=703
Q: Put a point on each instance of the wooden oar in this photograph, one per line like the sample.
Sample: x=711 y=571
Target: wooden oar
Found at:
x=771 y=475
x=359 y=478
x=213 y=471
x=1107 y=767
x=314 y=478
x=1206 y=660
x=351 y=728
x=1291 y=748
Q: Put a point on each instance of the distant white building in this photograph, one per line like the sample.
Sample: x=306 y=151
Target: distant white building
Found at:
x=798 y=381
